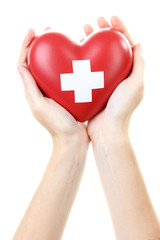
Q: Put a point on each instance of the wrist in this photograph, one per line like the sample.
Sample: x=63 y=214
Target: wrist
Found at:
x=70 y=139
x=70 y=148
x=111 y=132
x=69 y=143
x=108 y=144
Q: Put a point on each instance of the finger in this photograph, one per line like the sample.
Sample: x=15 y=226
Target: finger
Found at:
x=82 y=40
x=32 y=91
x=119 y=26
x=138 y=63
x=24 y=48
x=88 y=29
x=47 y=28
x=102 y=23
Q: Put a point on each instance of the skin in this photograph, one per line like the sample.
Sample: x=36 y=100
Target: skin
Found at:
x=131 y=210
x=49 y=209
x=130 y=207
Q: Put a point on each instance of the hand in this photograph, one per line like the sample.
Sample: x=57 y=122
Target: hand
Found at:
x=128 y=93
x=56 y=193
x=57 y=120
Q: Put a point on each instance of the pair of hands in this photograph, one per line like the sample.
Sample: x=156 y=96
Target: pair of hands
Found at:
x=60 y=123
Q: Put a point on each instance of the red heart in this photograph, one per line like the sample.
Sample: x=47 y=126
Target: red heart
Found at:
x=62 y=69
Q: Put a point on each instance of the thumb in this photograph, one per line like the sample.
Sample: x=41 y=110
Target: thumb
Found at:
x=138 y=63
x=32 y=91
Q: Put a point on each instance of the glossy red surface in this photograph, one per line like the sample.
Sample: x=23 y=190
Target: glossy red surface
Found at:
x=51 y=54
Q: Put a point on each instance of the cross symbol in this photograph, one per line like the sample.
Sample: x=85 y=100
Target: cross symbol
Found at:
x=82 y=81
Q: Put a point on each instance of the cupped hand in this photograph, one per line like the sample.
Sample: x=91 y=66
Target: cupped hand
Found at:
x=128 y=94
x=57 y=120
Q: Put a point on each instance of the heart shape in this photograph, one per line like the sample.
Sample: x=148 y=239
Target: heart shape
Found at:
x=80 y=77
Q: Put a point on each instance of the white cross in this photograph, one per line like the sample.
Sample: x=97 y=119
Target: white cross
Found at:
x=82 y=81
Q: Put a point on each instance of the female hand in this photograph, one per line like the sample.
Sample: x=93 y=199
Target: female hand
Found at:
x=49 y=209
x=128 y=93
x=57 y=120
x=132 y=213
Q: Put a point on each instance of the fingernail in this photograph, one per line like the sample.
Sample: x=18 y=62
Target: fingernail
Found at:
x=114 y=18
x=21 y=70
x=101 y=19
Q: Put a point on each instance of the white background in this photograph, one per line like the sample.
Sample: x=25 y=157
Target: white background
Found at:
x=25 y=146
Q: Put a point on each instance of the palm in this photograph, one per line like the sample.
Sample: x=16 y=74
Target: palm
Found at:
x=116 y=102
x=125 y=98
x=59 y=118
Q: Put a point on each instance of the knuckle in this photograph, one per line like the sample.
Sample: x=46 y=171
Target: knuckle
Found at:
x=142 y=86
x=141 y=90
x=141 y=58
x=37 y=108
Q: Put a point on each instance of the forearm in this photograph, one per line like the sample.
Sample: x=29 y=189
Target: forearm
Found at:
x=131 y=210
x=49 y=209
